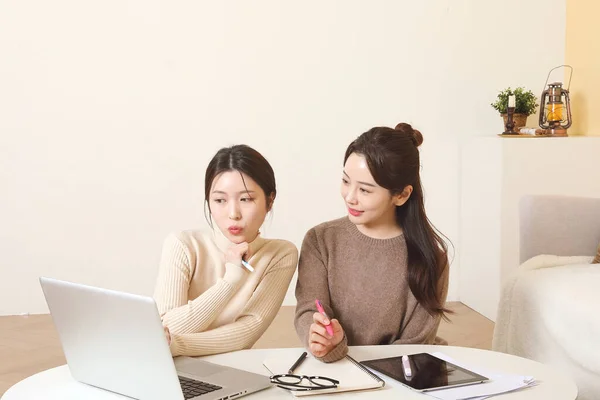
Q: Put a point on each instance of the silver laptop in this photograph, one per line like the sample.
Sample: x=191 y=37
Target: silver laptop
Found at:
x=115 y=341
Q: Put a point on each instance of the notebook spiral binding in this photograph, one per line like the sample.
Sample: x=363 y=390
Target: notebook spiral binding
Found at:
x=365 y=369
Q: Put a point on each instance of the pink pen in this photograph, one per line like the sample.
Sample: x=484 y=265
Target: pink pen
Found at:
x=322 y=311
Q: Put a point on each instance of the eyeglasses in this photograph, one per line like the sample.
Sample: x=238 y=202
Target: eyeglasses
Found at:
x=295 y=382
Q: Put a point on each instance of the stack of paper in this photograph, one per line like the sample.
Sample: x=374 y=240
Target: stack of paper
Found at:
x=498 y=384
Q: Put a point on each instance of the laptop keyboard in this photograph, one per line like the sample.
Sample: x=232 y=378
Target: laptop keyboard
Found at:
x=192 y=388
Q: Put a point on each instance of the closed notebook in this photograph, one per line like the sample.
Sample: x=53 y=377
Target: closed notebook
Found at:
x=349 y=372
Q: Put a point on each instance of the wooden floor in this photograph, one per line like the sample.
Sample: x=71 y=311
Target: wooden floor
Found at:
x=29 y=344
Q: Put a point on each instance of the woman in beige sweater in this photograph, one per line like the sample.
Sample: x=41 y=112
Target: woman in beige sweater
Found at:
x=219 y=291
x=381 y=272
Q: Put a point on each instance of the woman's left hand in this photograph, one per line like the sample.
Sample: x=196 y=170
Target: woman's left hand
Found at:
x=168 y=335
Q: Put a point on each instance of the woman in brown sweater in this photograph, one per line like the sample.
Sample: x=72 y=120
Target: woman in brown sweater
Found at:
x=381 y=272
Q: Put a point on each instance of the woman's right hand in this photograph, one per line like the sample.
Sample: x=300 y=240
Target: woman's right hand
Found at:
x=320 y=343
x=236 y=252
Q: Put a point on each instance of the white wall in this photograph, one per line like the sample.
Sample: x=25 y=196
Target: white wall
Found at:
x=480 y=218
x=110 y=111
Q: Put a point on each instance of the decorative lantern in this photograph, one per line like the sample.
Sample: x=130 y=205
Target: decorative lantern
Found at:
x=555 y=113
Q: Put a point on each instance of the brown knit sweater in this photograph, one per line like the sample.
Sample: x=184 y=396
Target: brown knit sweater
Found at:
x=363 y=282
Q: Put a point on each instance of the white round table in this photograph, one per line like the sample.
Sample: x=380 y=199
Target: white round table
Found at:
x=57 y=383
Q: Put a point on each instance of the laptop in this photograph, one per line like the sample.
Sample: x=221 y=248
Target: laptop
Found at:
x=115 y=341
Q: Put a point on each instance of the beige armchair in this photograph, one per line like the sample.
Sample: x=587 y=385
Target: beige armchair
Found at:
x=549 y=308
x=558 y=225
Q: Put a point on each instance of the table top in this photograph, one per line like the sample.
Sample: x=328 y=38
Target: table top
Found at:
x=57 y=383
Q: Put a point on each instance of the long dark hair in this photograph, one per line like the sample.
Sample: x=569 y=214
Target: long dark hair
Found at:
x=393 y=160
x=245 y=160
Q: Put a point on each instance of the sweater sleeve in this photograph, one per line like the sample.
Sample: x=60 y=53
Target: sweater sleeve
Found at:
x=337 y=353
x=178 y=313
x=421 y=327
x=313 y=284
x=251 y=323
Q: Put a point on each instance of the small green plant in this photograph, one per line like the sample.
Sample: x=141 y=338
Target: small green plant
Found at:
x=525 y=101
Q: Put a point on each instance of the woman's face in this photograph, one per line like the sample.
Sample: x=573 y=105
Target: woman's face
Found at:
x=238 y=205
x=367 y=203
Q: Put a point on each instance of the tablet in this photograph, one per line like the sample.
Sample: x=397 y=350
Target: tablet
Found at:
x=427 y=372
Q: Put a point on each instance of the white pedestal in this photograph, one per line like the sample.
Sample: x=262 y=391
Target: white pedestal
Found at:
x=495 y=173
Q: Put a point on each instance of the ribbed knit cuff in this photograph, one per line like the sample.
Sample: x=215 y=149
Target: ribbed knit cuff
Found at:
x=234 y=274
x=337 y=353
x=175 y=347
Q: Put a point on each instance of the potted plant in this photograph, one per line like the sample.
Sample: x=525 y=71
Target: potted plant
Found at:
x=525 y=105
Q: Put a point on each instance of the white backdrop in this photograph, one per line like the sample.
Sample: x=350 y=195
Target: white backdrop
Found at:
x=111 y=110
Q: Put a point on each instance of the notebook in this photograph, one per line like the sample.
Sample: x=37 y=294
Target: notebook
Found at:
x=349 y=372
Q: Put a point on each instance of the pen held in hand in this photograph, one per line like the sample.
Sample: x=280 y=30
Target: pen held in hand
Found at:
x=329 y=328
x=248 y=266
x=297 y=363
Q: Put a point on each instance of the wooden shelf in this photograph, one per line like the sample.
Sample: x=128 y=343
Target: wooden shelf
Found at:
x=530 y=136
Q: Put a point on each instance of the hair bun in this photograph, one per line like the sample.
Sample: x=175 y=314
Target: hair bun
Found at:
x=415 y=135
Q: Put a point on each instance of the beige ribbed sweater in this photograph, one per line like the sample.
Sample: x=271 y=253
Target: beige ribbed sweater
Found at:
x=363 y=282
x=214 y=307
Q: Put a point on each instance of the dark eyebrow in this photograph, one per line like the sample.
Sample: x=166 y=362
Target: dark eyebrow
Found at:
x=362 y=183
x=241 y=192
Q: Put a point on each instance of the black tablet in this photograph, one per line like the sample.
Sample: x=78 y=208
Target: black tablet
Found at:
x=427 y=372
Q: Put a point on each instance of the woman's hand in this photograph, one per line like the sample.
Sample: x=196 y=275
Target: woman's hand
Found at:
x=320 y=343
x=235 y=253
x=168 y=335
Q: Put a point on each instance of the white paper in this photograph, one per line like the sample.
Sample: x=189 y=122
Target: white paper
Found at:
x=498 y=384
x=350 y=376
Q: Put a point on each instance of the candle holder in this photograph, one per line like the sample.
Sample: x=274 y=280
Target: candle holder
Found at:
x=509 y=127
